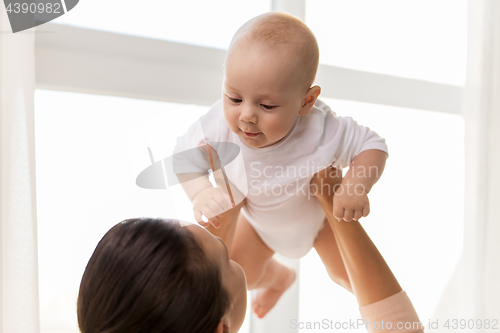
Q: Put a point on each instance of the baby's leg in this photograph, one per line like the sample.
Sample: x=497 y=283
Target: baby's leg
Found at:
x=323 y=186
x=263 y=272
x=328 y=250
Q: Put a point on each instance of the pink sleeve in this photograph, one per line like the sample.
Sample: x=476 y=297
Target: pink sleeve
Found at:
x=392 y=314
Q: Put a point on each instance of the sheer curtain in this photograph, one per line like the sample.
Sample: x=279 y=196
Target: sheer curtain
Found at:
x=18 y=238
x=473 y=291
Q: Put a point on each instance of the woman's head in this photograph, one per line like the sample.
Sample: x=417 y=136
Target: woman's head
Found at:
x=152 y=275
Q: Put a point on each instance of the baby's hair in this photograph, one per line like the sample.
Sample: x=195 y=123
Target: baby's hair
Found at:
x=150 y=275
x=275 y=28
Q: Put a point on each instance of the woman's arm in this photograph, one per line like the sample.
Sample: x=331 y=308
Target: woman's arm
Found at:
x=372 y=281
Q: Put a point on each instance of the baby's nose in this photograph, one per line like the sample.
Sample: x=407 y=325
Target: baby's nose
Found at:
x=248 y=115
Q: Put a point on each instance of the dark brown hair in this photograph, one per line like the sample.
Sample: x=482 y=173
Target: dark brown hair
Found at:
x=150 y=275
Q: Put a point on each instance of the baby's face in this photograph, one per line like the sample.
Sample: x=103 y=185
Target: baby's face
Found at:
x=261 y=97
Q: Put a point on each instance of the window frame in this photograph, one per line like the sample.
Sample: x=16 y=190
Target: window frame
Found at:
x=98 y=62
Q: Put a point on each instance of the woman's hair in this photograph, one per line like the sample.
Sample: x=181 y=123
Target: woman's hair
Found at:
x=150 y=275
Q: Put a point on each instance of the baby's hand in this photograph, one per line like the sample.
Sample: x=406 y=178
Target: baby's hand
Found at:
x=211 y=202
x=350 y=203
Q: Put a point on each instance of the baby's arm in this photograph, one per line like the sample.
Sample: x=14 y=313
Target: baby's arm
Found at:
x=193 y=158
x=351 y=197
x=208 y=201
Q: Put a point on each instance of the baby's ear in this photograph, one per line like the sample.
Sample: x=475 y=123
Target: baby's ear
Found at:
x=309 y=100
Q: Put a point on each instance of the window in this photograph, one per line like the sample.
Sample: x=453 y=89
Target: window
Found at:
x=423 y=40
x=206 y=23
x=88 y=144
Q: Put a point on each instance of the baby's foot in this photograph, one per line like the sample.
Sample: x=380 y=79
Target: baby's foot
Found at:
x=266 y=298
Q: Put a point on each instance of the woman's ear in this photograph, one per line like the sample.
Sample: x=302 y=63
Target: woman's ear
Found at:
x=221 y=328
x=309 y=100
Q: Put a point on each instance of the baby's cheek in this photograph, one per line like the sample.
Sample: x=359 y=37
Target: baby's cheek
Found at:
x=280 y=125
x=230 y=118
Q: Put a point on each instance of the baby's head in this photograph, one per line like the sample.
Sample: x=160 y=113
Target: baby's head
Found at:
x=269 y=69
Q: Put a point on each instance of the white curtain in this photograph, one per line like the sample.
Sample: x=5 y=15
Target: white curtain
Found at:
x=474 y=290
x=18 y=240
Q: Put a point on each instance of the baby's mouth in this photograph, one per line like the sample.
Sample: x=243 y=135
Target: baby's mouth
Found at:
x=251 y=134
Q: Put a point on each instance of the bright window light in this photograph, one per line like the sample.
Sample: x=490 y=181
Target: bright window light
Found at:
x=90 y=148
x=89 y=151
x=200 y=22
x=416 y=218
x=421 y=39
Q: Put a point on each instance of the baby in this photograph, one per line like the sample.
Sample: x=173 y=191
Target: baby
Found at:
x=270 y=110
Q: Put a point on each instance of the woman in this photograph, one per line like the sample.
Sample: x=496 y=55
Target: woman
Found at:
x=155 y=275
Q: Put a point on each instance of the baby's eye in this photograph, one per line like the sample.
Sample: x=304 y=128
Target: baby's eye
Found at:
x=269 y=107
x=234 y=100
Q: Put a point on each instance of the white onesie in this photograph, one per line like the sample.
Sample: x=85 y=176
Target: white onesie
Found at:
x=275 y=179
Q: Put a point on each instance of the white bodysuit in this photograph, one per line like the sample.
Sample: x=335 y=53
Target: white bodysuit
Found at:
x=275 y=179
